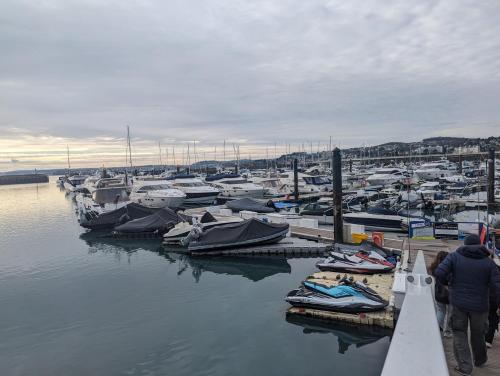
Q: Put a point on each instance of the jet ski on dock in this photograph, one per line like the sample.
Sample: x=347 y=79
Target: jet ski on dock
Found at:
x=347 y=297
x=362 y=262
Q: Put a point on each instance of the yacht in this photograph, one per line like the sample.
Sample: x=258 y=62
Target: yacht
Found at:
x=435 y=170
x=387 y=176
x=156 y=194
x=74 y=183
x=429 y=190
x=197 y=192
x=233 y=185
x=317 y=183
x=107 y=190
x=378 y=219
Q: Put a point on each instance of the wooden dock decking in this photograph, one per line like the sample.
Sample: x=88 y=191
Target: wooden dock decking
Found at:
x=381 y=283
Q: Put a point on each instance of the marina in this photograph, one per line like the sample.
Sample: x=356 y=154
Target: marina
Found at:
x=354 y=268
x=235 y=188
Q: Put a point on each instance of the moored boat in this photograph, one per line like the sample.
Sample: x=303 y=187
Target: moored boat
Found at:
x=248 y=233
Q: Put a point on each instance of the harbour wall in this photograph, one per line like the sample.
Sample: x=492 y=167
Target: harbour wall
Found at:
x=23 y=179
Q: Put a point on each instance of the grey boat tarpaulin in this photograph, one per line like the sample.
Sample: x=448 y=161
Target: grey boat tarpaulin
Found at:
x=116 y=217
x=246 y=233
x=251 y=205
x=162 y=220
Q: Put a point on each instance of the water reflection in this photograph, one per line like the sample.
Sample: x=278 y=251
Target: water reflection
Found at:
x=347 y=335
x=254 y=268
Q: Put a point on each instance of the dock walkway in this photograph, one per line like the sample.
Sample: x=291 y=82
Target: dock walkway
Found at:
x=430 y=249
x=493 y=365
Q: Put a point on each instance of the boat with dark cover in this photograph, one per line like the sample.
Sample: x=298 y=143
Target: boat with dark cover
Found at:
x=115 y=217
x=348 y=297
x=244 y=234
x=258 y=206
x=207 y=221
x=158 y=223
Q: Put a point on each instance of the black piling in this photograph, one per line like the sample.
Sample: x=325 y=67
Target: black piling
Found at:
x=236 y=169
x=296 y=179
x=491 y=181
x=338 y=225
x=460 y=163
x=350 y=165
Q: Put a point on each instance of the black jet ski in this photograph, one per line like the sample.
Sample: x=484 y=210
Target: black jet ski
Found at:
x=349 y=297
x=248 y=233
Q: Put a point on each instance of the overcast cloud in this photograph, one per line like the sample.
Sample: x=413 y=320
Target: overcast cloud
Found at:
x=251 y=72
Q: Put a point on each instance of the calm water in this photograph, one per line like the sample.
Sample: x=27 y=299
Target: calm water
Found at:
x=72 y=304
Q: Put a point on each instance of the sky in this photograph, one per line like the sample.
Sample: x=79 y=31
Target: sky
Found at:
x=255 y=73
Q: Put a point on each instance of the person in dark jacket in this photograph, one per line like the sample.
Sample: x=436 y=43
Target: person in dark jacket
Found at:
x=443 y=311
x=493 y=318
x=470 y=274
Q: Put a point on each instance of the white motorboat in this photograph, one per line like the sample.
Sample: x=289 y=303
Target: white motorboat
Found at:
x=156 y=194
x=197 y=191
x=429 y=190
x=236 y=186
x=388 y=176
x=435 y=170
x=107 y=190
x=74 y=183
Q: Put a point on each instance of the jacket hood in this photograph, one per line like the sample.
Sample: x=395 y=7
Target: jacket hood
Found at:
x=475 y=251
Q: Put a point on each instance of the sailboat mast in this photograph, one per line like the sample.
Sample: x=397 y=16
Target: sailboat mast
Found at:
x=129 y=146
x=69 y=164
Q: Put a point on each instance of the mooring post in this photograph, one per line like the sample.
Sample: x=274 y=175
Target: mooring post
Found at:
x=296 y=179
x=460 y=163
x=236 y=169
x=350 y=165
x=338 y=225
x=491 y=181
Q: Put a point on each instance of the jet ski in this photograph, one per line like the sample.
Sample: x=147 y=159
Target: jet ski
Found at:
x=248 y=233
x=362 y=262
x=348 y=297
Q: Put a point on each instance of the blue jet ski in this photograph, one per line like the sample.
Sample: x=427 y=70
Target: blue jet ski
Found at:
x=349 y=297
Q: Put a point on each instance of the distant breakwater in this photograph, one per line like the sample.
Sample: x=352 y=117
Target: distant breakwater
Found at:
x=23 y=179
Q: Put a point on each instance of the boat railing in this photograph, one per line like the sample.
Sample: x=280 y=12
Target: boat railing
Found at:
x=416 y=347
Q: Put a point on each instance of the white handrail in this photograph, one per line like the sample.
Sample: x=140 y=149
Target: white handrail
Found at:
x=416 y=347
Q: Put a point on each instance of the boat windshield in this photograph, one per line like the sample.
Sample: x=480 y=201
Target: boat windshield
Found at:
x=190 y=184
x=155 y=187
x=317 y=180
x=231 y=182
